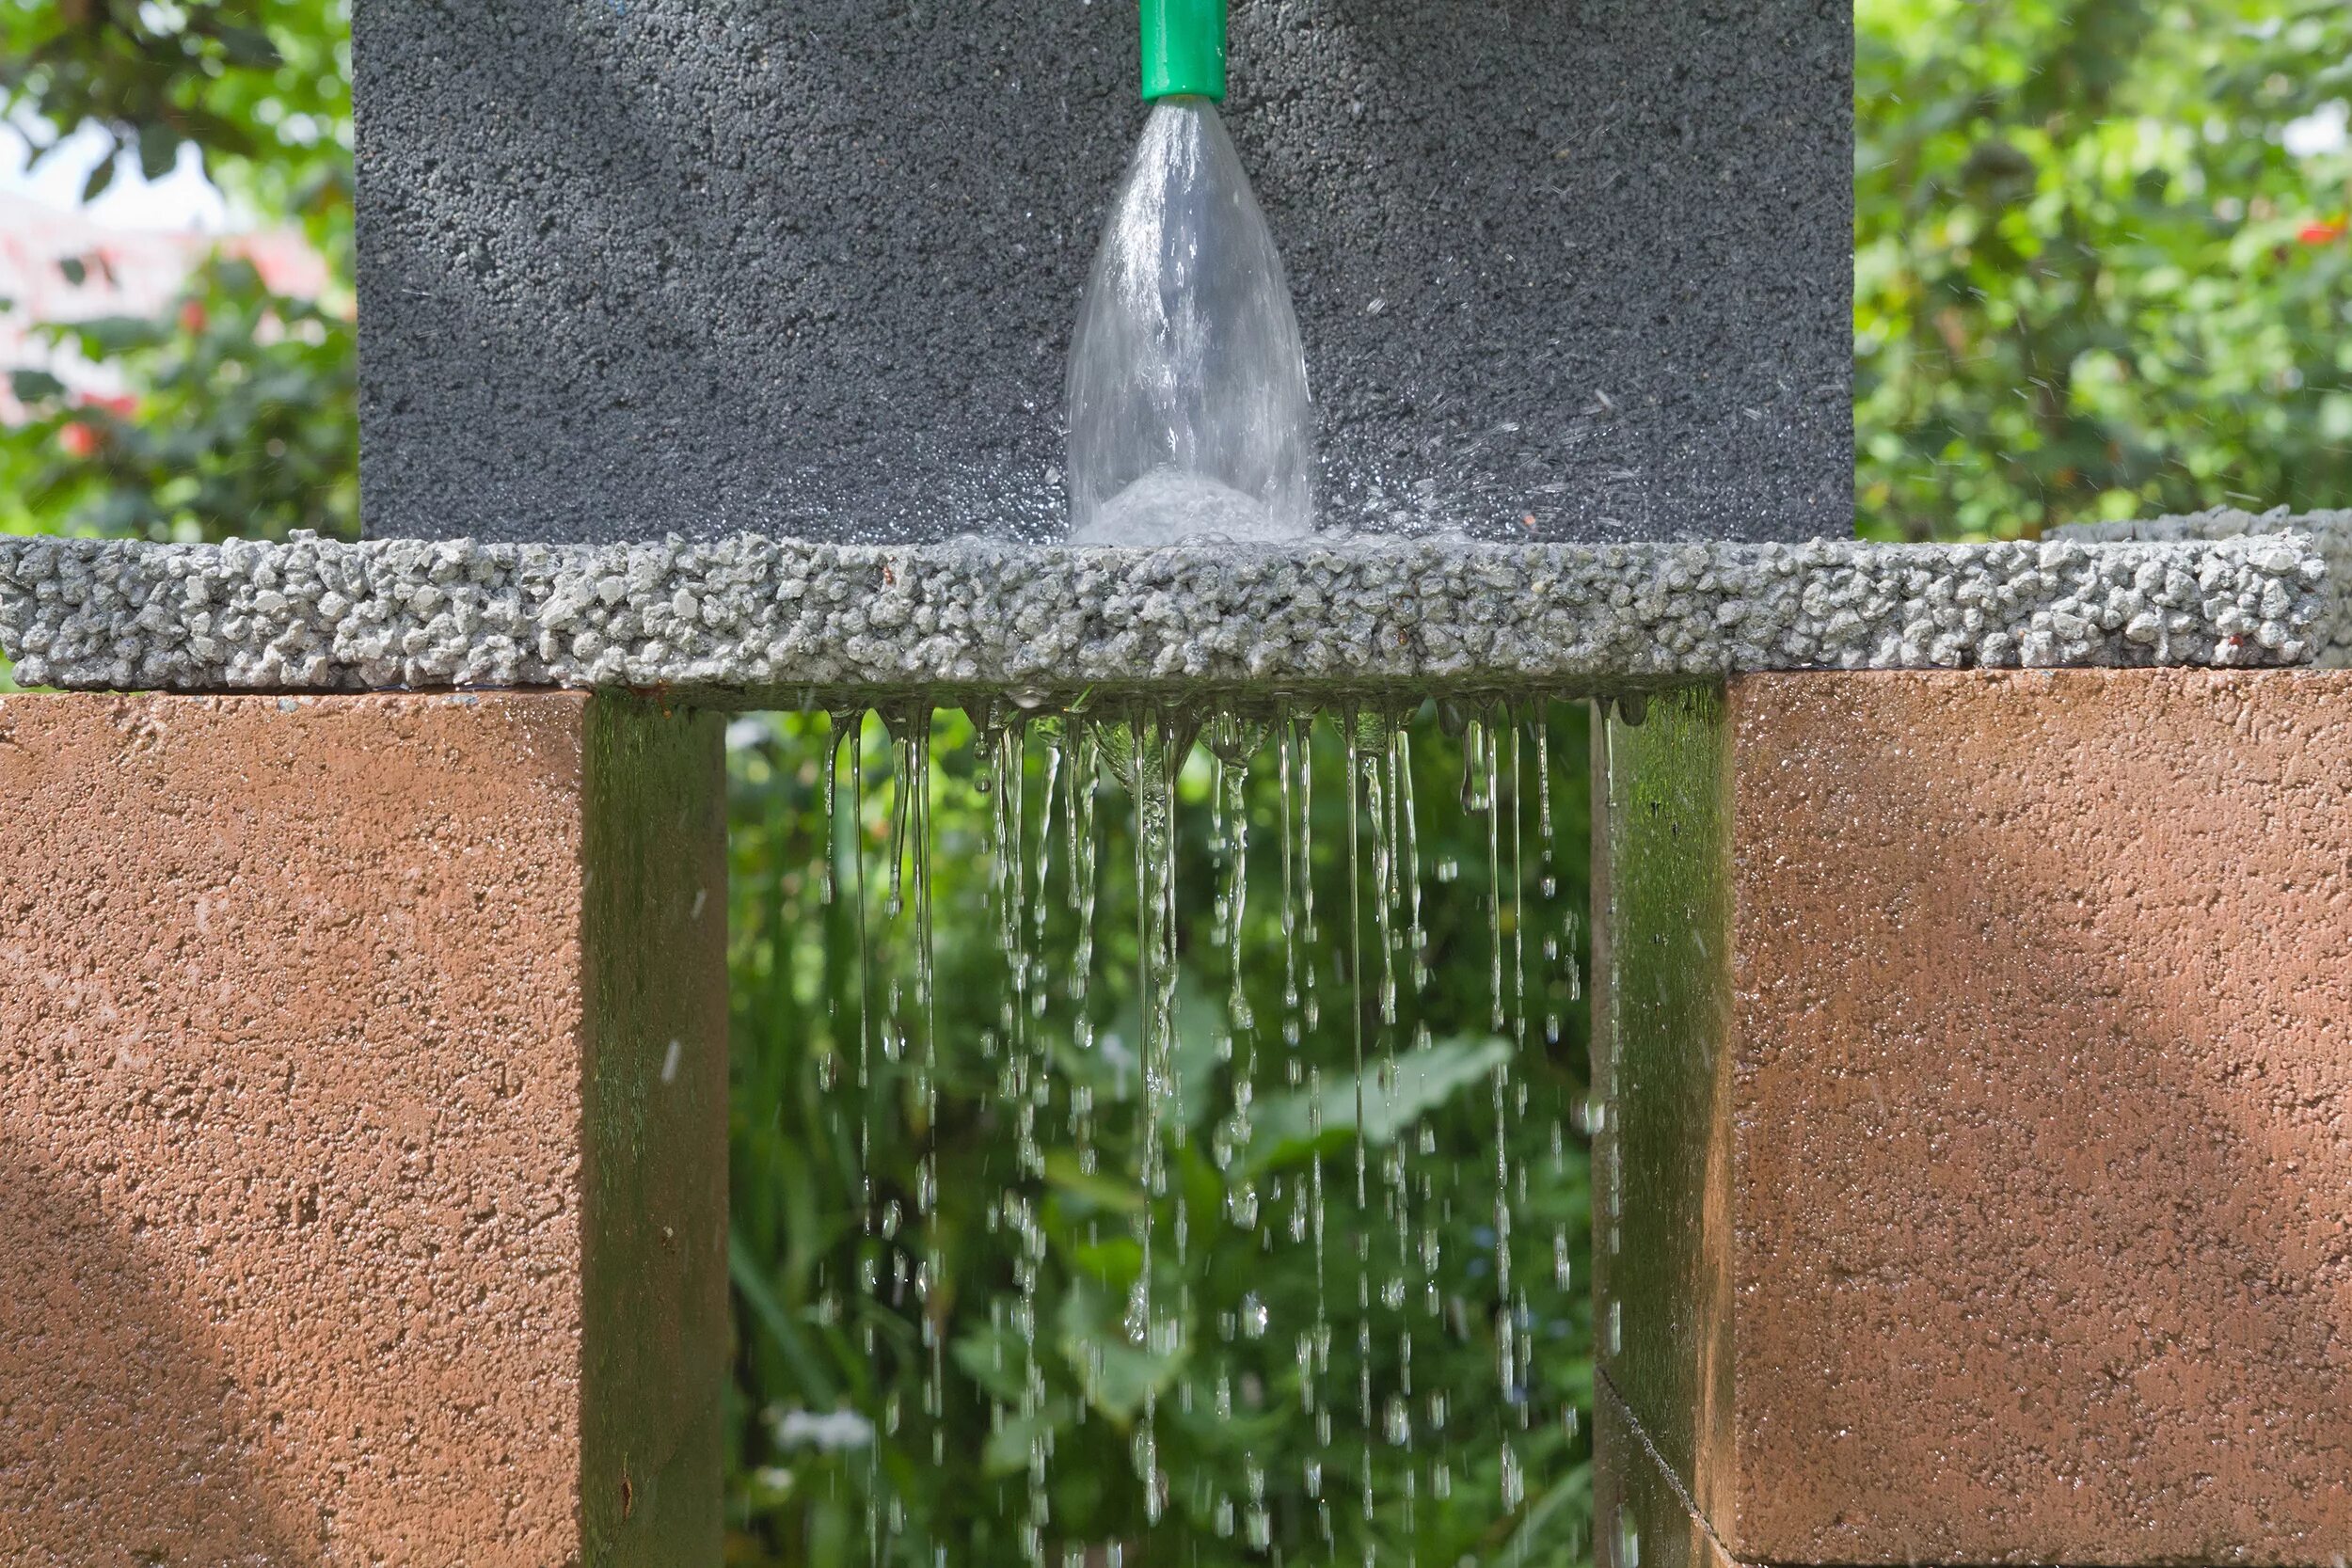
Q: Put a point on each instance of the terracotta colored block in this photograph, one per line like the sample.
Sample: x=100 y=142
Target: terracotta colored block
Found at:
x=1977 y=1180
x=363 y=1131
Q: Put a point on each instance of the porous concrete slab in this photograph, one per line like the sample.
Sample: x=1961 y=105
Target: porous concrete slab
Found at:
x=636 y=267
x=2330 y=533
x=1972 y=1183
x=756 y=622
x=363 y=1131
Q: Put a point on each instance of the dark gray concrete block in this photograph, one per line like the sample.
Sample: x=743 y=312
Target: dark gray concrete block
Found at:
x=630 y=267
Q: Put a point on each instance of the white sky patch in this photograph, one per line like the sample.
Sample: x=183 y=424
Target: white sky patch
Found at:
x=751 y=730
x=182 y=200
x=2325 y=130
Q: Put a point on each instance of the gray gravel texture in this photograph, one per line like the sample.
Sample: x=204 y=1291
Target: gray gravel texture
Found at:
x=2329 y=533
x=636 y=267
x=754 y=622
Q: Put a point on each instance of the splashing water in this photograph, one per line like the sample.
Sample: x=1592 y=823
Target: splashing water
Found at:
x=1168 y=507
x=1104 y=1072
x=1188 y=409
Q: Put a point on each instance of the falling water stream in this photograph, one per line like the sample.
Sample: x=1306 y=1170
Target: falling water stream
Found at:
x=1216 y=1190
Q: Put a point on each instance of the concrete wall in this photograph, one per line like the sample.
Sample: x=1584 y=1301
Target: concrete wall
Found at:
x=356 y=1204
x=1973 y=1183
x=635 y=266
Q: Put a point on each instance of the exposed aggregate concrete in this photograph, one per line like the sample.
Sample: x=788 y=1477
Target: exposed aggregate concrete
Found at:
x=750 y=621
x=2330 y=534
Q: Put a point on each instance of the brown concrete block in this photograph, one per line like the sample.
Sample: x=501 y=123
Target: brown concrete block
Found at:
x=1976 y=1177
x=363 y=1131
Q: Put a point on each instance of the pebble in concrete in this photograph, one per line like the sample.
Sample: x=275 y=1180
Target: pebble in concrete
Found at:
x=751 y=621
x=2330 y=533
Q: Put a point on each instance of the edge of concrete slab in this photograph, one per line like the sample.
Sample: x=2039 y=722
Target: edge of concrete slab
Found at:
x=653 y=1174
x=1665 y=1304
x=755 y=622
x=2330 y=533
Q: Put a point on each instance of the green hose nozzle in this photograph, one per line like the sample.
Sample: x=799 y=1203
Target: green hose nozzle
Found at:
x=1183 y=49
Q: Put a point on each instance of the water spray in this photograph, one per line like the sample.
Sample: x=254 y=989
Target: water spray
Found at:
x=1189 y=415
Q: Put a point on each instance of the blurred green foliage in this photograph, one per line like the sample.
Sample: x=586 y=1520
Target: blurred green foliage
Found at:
x=260 y=89
x=240 y=412
x=242 y=425
x=813 y=997
x=2091 y=280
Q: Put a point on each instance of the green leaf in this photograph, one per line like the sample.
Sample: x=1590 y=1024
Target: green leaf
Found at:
x=1575 y=1487
x=103 y=337
x=1116 y=1374
x=32 y=387
x=248 y=46
x=237 y=274
x=211 y=133
x=1087 y=1191
x=1114 y=1262
x=159 y=147
x=1395 y=1095
x=752 y=1285
x=995 y=1360
x=1007 y=1452
x=100 y=177
x=73 y=270
x=1195 y=1052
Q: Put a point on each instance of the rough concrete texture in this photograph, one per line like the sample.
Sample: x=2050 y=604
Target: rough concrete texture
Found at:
x=315 y=1141
x=693 y=266
x=2024 y=1140
x=2330 y=533
x=756 y=622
